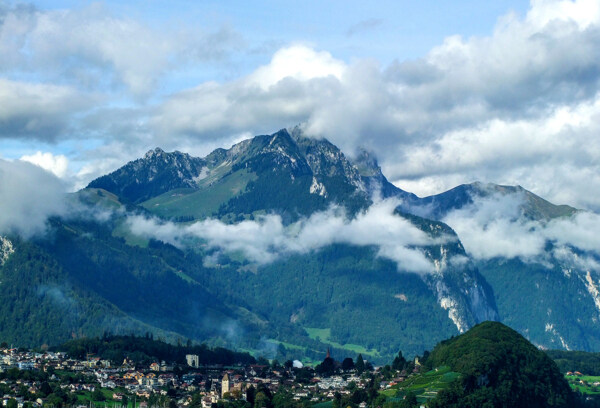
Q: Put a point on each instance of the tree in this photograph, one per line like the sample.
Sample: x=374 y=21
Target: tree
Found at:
x=337 y=400
x=12 y=403
x=98 y=395
x=348 y=364
x=399 y=362
x=327 y=367
x=261 y=400
x=250 y=395
x=45 y=389
x=410 y=401
x=360 y=364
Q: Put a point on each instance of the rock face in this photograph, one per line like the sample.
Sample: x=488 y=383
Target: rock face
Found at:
x=156 y=173
x=557 y=288
x=6 y=250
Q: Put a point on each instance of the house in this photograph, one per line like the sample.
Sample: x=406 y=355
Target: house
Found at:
x=192 y=360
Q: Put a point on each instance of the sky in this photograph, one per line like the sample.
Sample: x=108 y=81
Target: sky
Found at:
x=443 y=93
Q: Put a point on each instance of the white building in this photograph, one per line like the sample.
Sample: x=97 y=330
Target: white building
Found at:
x=192 y=360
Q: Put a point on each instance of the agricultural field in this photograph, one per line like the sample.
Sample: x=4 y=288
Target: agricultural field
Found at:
x=324 y=336
x=584 y=383
x=425 y=386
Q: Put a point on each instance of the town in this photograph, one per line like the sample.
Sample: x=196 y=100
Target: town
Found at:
x=31 y=379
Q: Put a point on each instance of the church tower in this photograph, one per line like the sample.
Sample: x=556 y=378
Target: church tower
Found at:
x=224 y=385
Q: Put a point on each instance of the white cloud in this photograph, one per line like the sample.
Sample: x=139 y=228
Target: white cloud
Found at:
x=55 y=164
x=29 y=196
x=580 y=231
x=93 y=48
x=494 y=226
x=265 y=240
x=298 y=62
x=582 y=12
x=520 y=106
x=37 y=111
x=503 y=108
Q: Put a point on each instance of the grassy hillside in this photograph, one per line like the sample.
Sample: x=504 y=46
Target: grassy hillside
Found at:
x=425 y=386
x=199 y=203
x=499 y=367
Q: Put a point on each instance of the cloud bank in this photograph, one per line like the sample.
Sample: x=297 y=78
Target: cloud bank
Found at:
x=29 y=196
x=518 y=106
x=495 y=227
x=265 y=240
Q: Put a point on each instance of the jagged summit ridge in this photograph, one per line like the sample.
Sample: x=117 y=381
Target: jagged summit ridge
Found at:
x=156 y=173
x=315 y=166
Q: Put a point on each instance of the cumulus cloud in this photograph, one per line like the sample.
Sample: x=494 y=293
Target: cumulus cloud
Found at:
x=285 y=91
x=495 y=226
x=506 y=108
x=519 y=106
x=266 y=239
x=29 y=196
x=297 y=62
x=93 y=48
x=55 y=164
x=38 y=111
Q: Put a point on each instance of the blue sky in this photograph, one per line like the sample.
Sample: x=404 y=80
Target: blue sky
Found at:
x=443 y=93
x=385 y=31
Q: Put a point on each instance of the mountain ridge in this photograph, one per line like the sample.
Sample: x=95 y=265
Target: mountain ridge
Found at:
x=279 y=305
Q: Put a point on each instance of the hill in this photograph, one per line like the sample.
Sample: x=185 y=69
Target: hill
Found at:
x=499 y=368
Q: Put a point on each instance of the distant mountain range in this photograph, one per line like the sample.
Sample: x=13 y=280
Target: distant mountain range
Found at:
x=235 y=248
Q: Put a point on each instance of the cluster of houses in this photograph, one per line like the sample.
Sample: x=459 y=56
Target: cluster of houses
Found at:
x=134 y=383
x=573 y=376
x=233 y=382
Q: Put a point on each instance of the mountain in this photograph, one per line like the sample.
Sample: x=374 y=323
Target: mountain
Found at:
x=341 y=295
x=156 y=173
x=532 y=206
x=552 y=299
x=286 y=173
x=499 y=368
x=234 y=249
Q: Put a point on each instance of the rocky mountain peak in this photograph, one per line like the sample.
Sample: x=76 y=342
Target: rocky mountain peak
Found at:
x=155 y=173
x=366 y=163
x=153 y=153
